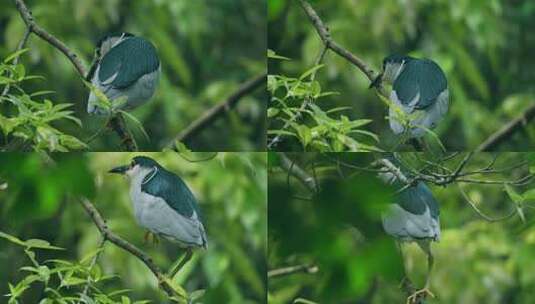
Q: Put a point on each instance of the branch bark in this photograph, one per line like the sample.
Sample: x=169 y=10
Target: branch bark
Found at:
x=109 y=235
x=218 y=110
x=284 y=271
x=296 y=171
x=507 y=130
x=32 y=26
x=327 y=40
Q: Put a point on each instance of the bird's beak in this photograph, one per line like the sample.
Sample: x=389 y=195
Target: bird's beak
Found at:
x=377 y=81
x=120 y=170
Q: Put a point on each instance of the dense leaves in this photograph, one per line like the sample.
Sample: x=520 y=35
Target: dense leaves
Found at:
x=39 y=209
x=485 y=250
x=207 y=49
x=483 y=47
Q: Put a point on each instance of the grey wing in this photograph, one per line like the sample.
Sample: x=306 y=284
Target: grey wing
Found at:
x=163 y=220
x=415 y=215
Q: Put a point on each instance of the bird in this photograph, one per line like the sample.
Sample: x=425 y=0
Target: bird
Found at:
x=419 y=90
x=412 y=216
x=126 y=69
x=164 y=205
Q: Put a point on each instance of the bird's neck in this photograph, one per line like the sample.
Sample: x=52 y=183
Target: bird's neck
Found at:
x=392 y=71
x=143 y=176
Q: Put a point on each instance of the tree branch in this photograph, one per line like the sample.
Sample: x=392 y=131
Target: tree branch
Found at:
x=292 y=169
x=327 y=40
x=507 y=130
x=107 y=234
x=33 y=27
x=212 y=114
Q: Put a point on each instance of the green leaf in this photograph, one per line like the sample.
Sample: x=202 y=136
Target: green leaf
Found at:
x=72 y=281
x=16 y=54
x=272 y=112
x=137 y=123
x=12 y=239
x=311 y=71
x=271 y=54
x=41 y=244
x=529 y=195
x=517 y=198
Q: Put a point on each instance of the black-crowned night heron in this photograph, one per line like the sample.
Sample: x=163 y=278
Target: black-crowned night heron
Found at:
x=413 y=216
x=125 y=66
x=164 y=205
x=419 y=90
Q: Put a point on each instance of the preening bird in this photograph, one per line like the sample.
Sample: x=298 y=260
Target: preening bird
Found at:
x=164 y=205
x=419 y=89
x=413 y=216
x=125 y=66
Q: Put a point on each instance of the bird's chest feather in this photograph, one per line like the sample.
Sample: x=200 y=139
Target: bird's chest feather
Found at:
x=144 y=204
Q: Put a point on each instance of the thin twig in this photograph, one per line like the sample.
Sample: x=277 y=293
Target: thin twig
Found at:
x=218 y=110
x=479 y=212
x=284 y=271
x=20 y=46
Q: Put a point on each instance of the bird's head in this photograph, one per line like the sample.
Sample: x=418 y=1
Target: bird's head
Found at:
x=105 y=43
x=139 y=166
x=392 y=67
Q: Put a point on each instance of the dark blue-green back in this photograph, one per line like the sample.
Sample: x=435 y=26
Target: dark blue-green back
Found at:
x=172 y=189
x=420 y=76
x=414 y=199
x=132 y=58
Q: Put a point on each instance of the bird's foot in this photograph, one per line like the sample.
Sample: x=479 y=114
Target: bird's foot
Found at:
x=406 y=284
x=149 y=235
x=419 y=294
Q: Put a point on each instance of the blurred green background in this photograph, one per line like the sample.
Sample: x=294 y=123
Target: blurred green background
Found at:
x=340 y=231
x=41 y=201
x=484 y=47
x=207 y=49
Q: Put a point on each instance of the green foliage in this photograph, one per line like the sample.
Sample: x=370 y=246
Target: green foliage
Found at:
x=476 y=261
x=480 y=45
x=39 y=201
x=296 y=114
x=207 y=50
x=61 y=281
x=27 y=123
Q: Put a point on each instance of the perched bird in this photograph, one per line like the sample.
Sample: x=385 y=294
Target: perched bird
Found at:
x=419 y=89
x=164 y=205
x=125 y=66
x=412 y=217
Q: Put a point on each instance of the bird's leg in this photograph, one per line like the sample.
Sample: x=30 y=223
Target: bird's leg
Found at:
x=180 y=262
x=424 y=292
x=405 y=282
x=149 y=235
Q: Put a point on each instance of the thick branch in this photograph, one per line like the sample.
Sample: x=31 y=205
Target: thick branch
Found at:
x=122 y=243
x=25 y=13
x=297 y=172
x=327 y=40
x=219 y=110
x=507 y=130
x=39 y=31
x=118 y=125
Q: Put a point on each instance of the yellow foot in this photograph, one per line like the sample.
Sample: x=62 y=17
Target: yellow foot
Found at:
x=419 y=294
